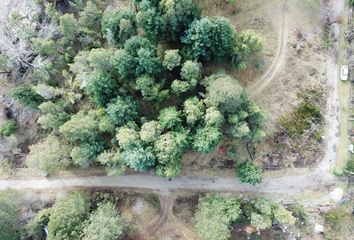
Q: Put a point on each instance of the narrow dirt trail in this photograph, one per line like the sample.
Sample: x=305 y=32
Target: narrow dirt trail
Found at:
x=166 y=203
x=266 y=78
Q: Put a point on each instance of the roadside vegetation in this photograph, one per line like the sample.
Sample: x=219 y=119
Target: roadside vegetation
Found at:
x=126 y=88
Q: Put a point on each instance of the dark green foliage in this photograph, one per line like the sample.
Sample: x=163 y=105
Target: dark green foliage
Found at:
x=10 y=209
x=214 y=217
x=206 y=139
x=105 y=223
x=168 y=19
x=139 y=158
x=7 y=128
x=249 y=173
x=84 y=154
x=125 y=64
x=122 y=110
x=150 y=89
x=350 y=166
x=27 y=96
x=170 y=118
x=120 y=25
x=148 y=63
x=34 y=228
x=89 y=19
x=302 y=118
x=211 y=39
x=67 y=217
x=102 y=88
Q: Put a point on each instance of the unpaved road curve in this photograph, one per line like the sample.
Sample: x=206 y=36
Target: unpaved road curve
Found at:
x=266 y=78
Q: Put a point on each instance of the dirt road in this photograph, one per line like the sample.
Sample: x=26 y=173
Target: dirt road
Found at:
x=266 y=78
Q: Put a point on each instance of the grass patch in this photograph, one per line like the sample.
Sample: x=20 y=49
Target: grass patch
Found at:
x=340 y=222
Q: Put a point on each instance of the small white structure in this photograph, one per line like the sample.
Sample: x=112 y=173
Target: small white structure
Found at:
x=344 y=71
x=319 y=228
x=351 y=148
x=336 y=195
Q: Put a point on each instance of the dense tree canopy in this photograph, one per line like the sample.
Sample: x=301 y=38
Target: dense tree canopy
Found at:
x=10 y=207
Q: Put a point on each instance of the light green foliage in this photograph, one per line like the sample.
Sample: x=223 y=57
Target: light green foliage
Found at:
x=10 y=208
x=172 y=59
x=179 y=87
x=84 y=154
x=168 y=148
x=49 y=155
x=102 y=88
x=248 y=42
x=264 y=206
x=44 y=46
x=139 y=158
x=193 y=110
x=89 y=20
x=191 y=72
x=260 y=221
x=46 y=91
x=150 y=131
x=127 y=137
x=8 y=128
x=214 y=217
x=67 y=217
x=52 y=12
x=213 y=117
x=211 y=39
x=224 y=92
x=122 y=110
x=69 y=27
x=339 y=222
x=170 y=118
x=105 y=223
x=172 y=169
x=150 y=90
x=282 y=215
x=249 y=173
x=27 y=96
x=53 y=115
x=120 y=25
x=83 y=126
x=206 y=139
x=111 y=159
x=35 y=226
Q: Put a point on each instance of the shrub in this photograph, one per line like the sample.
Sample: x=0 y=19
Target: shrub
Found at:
x=27 y=96
x=7 y=128
x=249 y=173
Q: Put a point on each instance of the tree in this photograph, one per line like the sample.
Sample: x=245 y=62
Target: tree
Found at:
x=119 y=25
x=148 y=62
x=105 y=223
x=206 y=139
x=223 y=92
x=10 y=209
x=53 y=115
x=150 y=131
x=170 y=118
x=249 y=173
x=67 y=217
x=103 y=88
x=139 y=158
x=213 y=117
x=127 y=137
x=150 y=89
x=125 y=64
x=282 y=215
x=248 y=42
x=167 y=148
x=260 y=221
x=215 y=215
x=111 y=159
x=27 y=96
x=172 y=59
x=49 y=155
x=179 y=87
x=122 y=110
x=193 y=110
x=89 y=21
x=82 y=127
x=7 y=128
x=264 y=206
x=191 y=72
x=172 y=169
x=69 y=28
x=34 y=228
x=84 y=154
x=211 y=39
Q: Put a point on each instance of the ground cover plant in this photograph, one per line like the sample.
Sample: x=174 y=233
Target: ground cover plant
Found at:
x=126 y=87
